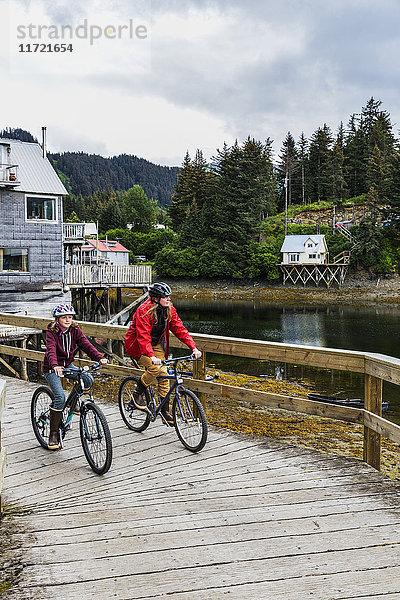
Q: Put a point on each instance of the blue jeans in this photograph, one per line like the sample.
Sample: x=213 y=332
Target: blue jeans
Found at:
x=54 y=383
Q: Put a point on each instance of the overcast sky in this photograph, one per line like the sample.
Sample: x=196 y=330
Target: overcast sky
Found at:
x=159 y=78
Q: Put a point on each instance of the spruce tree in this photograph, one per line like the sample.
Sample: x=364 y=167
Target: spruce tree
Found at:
x=287 y=172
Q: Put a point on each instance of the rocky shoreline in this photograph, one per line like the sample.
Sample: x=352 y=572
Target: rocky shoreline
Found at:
x=355 y=291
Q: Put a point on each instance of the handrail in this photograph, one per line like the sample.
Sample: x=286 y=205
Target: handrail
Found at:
x=375 y=367
x=81 y=275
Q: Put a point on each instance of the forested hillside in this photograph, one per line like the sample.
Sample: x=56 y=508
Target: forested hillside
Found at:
x=87 y=173
x=228 y=216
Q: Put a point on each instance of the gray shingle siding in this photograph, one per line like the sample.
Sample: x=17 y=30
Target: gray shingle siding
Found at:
x=43 y=241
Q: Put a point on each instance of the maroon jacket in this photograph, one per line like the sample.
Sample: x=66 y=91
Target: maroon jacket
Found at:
x=62 y=345
x=138 y=337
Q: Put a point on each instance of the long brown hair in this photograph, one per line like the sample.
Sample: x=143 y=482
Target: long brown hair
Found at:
x=53 y=326
x=153 y=311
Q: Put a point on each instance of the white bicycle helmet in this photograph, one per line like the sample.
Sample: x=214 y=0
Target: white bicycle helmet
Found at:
x=63 y=309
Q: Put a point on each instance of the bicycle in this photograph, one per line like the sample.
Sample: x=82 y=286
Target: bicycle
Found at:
x=93 y=427
x=190 y=420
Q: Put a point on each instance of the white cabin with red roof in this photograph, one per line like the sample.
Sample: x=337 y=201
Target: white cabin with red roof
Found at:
x=104 y=252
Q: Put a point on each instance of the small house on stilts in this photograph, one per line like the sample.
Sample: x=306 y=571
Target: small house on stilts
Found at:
x=305 y=260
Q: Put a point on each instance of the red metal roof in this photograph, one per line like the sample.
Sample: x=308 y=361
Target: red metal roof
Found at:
x=104 y=246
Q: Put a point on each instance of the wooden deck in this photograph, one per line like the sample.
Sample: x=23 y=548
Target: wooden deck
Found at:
x=244 y=519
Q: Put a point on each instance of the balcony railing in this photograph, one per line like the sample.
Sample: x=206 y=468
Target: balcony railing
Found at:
x=74 y=232
x=8 y=175
x=107 y=275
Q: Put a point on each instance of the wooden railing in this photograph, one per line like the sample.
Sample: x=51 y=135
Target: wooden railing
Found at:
x=375 y=367
x=2 y=450
x=117 y=275
x=343 y=258
x=74 y=232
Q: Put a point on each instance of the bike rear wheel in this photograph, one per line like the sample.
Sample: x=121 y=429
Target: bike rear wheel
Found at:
x=95 y=438
x=189 y=420
x=137 y=420
x=41 y=401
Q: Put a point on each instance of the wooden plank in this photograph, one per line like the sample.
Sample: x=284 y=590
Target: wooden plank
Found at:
x=117 y=580
x=389 y=430
x=3 y=455
x=383 y=367
x=373 y=404
x=291 y=353
x=2 y=398
x=322 y=409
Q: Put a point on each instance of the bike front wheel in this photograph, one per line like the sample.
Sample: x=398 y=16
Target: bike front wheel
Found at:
x=134 y=418
x=41 y=401
x=189 y=420
x=95 y=438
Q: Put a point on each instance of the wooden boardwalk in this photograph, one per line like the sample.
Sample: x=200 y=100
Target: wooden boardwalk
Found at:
x=243 y=519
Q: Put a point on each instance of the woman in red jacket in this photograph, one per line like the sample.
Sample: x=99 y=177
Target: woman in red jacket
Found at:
x=63 y=338
x=147 y=342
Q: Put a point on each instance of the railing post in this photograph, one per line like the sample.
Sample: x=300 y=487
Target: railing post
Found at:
x=199 y=372
x=373 y=403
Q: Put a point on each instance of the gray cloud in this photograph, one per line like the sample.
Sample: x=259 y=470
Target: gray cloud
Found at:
x=262 y=67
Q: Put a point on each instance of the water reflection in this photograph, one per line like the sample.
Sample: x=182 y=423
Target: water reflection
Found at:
x=371 y=329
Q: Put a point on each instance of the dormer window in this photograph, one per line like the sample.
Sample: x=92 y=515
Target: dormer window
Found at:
x=310 y=245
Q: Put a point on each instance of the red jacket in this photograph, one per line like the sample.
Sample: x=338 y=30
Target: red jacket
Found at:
x=61 y=347
x=138 y=336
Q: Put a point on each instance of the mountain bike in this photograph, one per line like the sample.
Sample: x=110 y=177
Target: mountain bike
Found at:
x=93 y=427
x=190 y=420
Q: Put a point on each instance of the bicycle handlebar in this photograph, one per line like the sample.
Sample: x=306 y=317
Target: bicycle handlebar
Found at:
x=168 y=361
x=92 y=367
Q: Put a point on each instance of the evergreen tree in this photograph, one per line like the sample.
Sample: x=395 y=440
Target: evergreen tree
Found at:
x=194 y=189
x=320 y=167
x=337 y=182
x=286 y=174
x=244 y=195
x=302 y=153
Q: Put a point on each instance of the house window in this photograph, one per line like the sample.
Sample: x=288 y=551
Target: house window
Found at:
x=14 y=259
x=294 y=257
x=310 y=245
x=41 y=208
x=312 y=256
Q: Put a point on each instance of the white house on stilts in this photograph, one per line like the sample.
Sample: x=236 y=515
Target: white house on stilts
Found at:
x=305 y=260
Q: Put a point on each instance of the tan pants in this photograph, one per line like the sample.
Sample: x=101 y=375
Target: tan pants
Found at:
x=152 y=370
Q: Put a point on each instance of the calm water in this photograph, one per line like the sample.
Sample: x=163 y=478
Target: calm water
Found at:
x=362 y=329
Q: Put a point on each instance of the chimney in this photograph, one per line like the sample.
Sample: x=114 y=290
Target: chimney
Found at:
x=44 y=141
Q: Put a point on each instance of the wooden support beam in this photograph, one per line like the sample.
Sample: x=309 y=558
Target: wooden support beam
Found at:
x=126 y=311
x=199 y=372
x=9 y=367
x=372 y=404
x=24 y=366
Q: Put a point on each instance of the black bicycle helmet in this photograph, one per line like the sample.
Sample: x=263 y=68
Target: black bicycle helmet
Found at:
x=159 y=290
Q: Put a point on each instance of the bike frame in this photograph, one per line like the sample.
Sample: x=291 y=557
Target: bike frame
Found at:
x=176 y=377
x=78 y=390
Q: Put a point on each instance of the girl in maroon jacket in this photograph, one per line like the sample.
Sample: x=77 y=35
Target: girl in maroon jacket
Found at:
x=147 y=342
x=63 y=337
